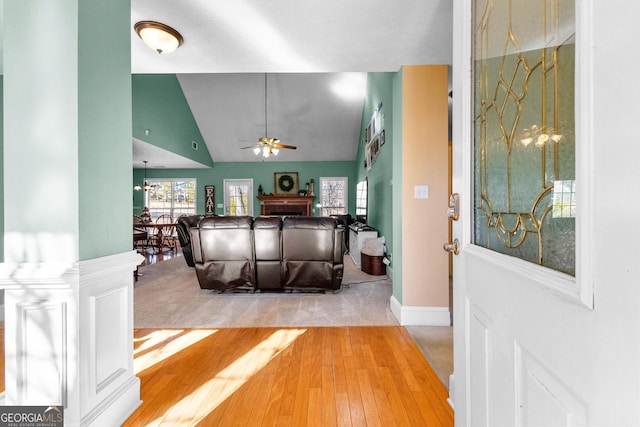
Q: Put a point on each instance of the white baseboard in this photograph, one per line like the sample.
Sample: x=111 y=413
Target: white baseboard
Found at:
x=452 y=387
x=117 y=408
x=424 y=316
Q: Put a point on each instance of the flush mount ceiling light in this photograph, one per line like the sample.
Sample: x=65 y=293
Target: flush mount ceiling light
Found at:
x=159 y=37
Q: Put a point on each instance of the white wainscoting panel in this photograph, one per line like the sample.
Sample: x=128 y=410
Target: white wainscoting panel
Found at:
x=106 y=296
x=478 y=369
x=41 y=336
x=69 y=338
x=542 y=399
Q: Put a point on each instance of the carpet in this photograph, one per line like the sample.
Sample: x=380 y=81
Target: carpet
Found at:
x=167 y=295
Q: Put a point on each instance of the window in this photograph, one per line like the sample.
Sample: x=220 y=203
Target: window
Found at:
x=524 y=135
x=333 y=196
x=170 y=196
x=238 y=197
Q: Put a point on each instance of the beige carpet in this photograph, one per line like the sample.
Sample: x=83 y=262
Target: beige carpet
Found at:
x=167 y=295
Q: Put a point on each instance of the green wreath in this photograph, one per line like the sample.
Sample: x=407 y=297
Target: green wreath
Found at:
x=285 y=183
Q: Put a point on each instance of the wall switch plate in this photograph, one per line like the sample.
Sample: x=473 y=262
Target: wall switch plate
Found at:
x=220 y=205
x=147 y=132
x=421 y=192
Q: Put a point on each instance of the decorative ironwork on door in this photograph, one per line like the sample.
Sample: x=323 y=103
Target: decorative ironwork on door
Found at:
x=524 y=130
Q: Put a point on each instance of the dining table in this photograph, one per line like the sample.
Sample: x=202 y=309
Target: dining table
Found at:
x=155 y=231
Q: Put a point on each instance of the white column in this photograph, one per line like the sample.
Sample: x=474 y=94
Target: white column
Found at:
x=68 y=264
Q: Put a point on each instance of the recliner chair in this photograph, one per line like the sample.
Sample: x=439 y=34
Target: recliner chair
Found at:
x=183 y=225
x=223 y=252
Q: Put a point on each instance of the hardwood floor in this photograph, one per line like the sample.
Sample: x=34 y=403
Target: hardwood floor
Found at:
x=152 y=256
x=324 y=376
x=320 y=376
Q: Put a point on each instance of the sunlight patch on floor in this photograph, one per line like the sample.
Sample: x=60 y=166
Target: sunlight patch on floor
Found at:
x=230 y=379
x=161 y=345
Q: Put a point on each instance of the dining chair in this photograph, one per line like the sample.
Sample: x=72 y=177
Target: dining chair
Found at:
x=140 y=234
x=165 y=228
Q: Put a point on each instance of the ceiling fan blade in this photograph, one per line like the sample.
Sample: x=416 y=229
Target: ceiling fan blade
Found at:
x=288 y=147
x=250 y=146
x=268 y=141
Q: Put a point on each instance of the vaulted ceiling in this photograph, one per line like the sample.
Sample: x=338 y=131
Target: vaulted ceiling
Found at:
x=316 y=55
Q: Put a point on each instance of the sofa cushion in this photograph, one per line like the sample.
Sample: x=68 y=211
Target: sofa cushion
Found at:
x=266 y=231
x=308 y=239
x=267 y=242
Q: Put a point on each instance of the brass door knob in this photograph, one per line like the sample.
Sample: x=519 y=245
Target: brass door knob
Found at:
x=452 y=247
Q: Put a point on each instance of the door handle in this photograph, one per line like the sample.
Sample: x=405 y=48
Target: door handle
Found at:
x=452 y=247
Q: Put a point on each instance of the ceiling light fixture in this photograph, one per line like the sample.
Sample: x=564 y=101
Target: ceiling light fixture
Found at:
x=266 y=149
x=146 y=187
x=159 y=37
x=267 y=146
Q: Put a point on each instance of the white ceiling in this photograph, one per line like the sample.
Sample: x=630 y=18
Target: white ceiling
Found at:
x=306 y=47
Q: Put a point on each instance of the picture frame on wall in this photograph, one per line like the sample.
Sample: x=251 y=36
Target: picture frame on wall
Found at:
x=285 y=183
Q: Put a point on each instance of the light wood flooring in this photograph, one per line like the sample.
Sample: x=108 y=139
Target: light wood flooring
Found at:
x=318 y=376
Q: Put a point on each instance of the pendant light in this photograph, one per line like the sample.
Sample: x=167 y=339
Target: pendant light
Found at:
x=146 y=187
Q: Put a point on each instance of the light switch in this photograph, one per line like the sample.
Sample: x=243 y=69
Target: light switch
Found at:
x=220 y=205
x=421 y=192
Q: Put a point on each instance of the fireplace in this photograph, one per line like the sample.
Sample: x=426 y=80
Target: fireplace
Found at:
x=286 y=205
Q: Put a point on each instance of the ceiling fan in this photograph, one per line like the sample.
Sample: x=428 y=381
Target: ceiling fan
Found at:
x=268 y=146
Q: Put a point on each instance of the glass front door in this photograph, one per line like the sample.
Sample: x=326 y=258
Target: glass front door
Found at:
x=524 y=136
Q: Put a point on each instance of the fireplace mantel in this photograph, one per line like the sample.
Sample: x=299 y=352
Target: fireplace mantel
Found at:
x=286 y=205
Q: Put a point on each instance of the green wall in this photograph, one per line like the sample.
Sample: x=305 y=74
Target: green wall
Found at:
x=67 y=130
x=380 y=212
x=261 y=172
x=104 y=127
x=1 y=169
x=159 y=105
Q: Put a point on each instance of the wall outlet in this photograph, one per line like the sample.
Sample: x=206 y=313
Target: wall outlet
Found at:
x=386 y=261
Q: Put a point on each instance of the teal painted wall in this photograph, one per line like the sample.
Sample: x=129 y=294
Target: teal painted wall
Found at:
x=1 y=170
x=261 y=172
x=160 y=106
x=67 y=130
x=380 y=206
x=104 y=127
